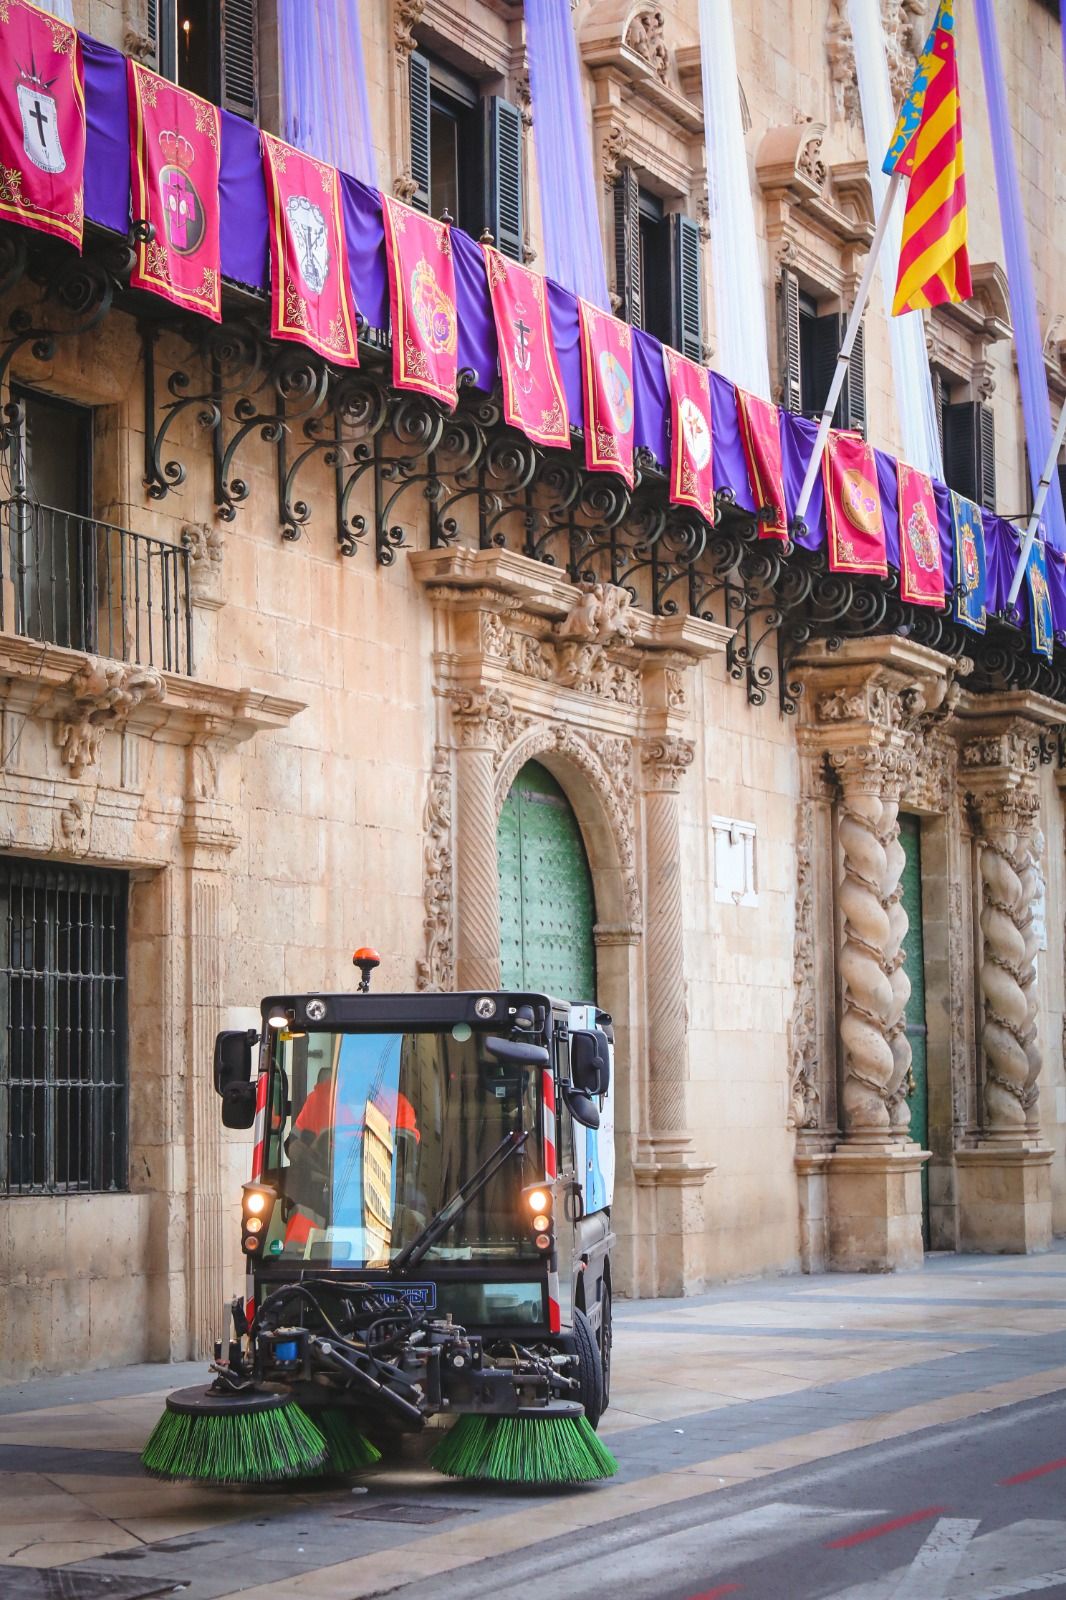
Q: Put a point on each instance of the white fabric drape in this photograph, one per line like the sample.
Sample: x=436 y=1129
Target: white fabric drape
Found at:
x=63 y=9
x=910 y=362
x=740 y=300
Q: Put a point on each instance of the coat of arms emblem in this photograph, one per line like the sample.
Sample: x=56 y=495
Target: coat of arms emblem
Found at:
x=183 y=213
x=310 y=236
x=40 y=121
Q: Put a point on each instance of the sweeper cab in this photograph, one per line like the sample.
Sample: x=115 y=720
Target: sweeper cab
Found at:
x=427 y=1231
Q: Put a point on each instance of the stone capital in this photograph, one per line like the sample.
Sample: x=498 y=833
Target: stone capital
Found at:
x=664 y=761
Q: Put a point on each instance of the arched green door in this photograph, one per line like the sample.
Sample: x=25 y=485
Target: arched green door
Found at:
x=547 y=910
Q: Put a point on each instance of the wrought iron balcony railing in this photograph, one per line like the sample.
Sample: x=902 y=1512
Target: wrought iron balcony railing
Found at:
x=88 y=585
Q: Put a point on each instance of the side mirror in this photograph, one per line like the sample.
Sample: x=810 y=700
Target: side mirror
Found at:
x=590 y=1061
x=233 y=1057
x=517 y=1053
x=583 y=1109
x=238 y=1105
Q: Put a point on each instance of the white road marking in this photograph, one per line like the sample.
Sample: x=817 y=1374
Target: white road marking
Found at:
x=938 y=1560
x=1023 y=1586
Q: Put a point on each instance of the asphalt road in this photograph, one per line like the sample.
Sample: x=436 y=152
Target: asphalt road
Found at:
x=972 y=1511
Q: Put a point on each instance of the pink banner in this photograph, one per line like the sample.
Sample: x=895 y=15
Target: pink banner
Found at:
x=607 y=376
x=175 y=187
x=691 y=459
x=534 y=400
x=921 y=572
x=856 y=531
x=760 y=434
x=42 y=122
x=425 y=328
x=311 y=292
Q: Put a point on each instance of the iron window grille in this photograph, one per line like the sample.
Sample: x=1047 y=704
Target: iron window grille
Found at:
x=64 y=1114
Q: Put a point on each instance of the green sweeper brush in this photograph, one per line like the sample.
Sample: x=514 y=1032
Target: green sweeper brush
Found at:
x=348 y=1450
x=532 y=1447
x=254 y=1438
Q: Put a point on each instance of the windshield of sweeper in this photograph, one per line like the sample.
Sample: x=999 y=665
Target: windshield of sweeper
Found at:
x=370 y=1134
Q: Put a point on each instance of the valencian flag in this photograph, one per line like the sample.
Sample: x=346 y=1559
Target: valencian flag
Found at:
x=175 y=138
x=42 y=122
x=425 y=328
x=534 y=400
x=311 y=293
x=971 y=564
x=1041 y=621
x=691 y=463
x=760 y=434
x=927 y=149
x=921 y=568
x=607 y=378
x=853 y=518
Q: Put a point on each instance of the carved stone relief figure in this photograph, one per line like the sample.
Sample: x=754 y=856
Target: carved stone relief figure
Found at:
x=103 y=693
x=804 y=1096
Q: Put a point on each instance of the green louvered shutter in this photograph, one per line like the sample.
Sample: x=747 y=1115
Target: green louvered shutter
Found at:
x=914 y=967
x=505 y=176
x=547 y=910
x=688 y=303
x=418 y=78
x=239 y=24
x=627 y=245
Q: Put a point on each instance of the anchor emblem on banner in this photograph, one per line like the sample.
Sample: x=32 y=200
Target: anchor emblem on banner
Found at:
x=310 y=236
x=523 y=358
x=40 y=122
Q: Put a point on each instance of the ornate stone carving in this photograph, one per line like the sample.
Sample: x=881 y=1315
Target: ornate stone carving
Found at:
x=804 y=1096
x=589 y=669
x=841 y=705
x=935 y=774
x=603 y=613
x=645 y=36
x=613 y=151
x=436 y=970
x=676 y=696
x=481 y=716
x=1016 y=748
x=903 y=37
x=103 y=695
x=136 y=43
x=206 y=547
x=666 y=759
x=72 y=827
x=529 y=657
x=407 y=14
x=205 y=771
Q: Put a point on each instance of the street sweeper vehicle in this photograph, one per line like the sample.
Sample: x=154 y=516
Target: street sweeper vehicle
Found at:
x=427 y=1231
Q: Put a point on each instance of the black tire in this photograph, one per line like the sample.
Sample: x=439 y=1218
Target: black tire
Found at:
x=582 y=1343
x=606 y=1341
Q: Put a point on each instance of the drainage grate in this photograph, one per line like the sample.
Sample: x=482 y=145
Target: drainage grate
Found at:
x=67 y=1583
x=399 y=1511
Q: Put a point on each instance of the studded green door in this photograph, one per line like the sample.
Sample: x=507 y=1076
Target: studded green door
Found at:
x=914 y=967
x=547 y=911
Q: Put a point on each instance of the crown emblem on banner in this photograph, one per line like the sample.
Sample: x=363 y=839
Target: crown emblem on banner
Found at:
x=177 y=150
x=33 y=79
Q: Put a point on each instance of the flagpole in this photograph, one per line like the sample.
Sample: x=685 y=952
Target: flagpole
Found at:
x=850 y=335
x=1038 y=506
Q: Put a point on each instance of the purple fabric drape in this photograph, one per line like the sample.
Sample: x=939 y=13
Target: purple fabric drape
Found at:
x=1028 y=338
x=568 y=202
x=244 y=260
x=324 y=104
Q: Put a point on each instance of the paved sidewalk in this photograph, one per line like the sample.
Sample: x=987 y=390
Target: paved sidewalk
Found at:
x=709 y=1393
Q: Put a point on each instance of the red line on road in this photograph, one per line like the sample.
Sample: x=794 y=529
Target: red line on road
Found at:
x=713 y=1594
x=1034 y=1472
x=884 y=1527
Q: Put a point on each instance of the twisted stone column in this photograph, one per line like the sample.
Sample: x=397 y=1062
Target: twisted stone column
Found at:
x=477 y=875
x=1009 y=876
x=895 y=956
x=1032 y=892
x=664 y=761
x=869 y=1002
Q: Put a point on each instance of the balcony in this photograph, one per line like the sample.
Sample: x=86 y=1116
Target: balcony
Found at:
x=86 y=585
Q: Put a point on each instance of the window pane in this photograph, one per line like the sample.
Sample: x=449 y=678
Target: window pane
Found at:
x=443 y=163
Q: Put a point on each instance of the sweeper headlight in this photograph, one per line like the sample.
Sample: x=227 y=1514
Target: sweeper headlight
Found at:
x=538 y=1201
x=257 y=1208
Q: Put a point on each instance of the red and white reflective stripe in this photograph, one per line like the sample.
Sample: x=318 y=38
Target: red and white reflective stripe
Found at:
x=259 y=1132
x=550 y=1165
x=555 y=1316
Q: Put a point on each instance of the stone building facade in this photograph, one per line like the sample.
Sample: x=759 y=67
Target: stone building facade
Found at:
x=798 y=811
